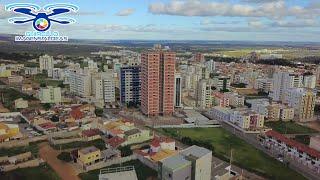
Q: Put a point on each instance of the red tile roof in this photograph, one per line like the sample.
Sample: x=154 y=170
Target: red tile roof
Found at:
x=115 y=141
x=47 y=125
x=299 y=146
x=77 y=114
x=90 y=132
x=156 y=141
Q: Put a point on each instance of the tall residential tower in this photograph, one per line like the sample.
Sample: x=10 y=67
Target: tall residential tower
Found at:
x=157 y=82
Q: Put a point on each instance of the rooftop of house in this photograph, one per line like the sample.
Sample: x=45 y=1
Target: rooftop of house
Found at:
x=88 y=150
x=132 y=132
x=175 y=162
x=196 y=151
x=299 y=146
x=90 y=132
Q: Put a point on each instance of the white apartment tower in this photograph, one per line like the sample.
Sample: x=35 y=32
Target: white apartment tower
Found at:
x=46 y=62
x=310 y=81
x=80 y=83
x=204 y=94
x=282 y=81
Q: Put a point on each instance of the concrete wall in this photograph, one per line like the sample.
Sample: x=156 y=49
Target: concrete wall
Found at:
x=103 y=164
x=148 y=162
x=22 y=142
x=31 y=163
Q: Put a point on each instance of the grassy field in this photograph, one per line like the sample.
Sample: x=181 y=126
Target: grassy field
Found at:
x=99 y=143
x=244 y=155
x=143 y=172
x=43 y=79
x=42 y=172
x=289 y=128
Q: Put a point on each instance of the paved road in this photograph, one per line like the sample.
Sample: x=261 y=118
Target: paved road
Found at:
x=63 y=169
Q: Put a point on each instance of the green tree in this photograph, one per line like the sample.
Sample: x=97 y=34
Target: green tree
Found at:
x=125 y=151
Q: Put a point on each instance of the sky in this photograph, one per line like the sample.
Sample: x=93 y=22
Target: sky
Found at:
x=240 y=20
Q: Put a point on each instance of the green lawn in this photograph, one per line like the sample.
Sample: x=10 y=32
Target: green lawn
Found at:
x=42 y=172
x=244 y=155
x=99 y=143
x=43 y=79
x=143 y=172
x=289 y=127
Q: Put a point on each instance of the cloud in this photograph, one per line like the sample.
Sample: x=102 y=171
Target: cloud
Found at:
x=273 y=9
x=125 y=12
x=3 y=13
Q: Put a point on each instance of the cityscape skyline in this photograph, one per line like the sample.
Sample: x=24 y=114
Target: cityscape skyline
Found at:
x=239 y=20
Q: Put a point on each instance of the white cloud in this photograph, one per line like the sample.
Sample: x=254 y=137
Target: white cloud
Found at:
x=270 y=9
x=125 y=12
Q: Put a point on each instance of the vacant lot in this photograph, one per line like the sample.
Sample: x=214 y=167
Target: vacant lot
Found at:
x=289 y=128
x=244 y=155
x=143 y=172
x=42 y=172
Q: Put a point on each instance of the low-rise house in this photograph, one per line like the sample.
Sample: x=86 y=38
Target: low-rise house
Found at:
x=20 y=103
x=46 y=127
x=9 y=131
x=299 y=152
x=88 y=156
x=134 y=136
x=15 y=80
x=91 y=134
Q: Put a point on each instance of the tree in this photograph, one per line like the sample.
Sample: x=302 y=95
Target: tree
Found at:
x=64 y=156
x=43 y=84
x=61 y=85
x=99 y=112
x=46 y=106
x=54 y=118
x=125 y=151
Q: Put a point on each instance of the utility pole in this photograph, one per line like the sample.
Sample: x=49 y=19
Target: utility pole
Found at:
x=231 y=152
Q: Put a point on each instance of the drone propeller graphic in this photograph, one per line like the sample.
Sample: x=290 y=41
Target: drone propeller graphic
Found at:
x=41 y=21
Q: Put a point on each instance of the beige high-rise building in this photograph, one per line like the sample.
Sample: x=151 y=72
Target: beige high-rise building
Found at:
x=204 y=94
x=46 y=62
x=303 y=101
x=50 y=95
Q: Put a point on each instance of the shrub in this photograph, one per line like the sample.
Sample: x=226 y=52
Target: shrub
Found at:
x=64 y=156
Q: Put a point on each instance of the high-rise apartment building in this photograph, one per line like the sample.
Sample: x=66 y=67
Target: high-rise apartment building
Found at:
x=303 y=101
x=80 y=83
x=204 y=94
x=310 y=81
x=157 y=82
x=50 y=94
x=46 y=62
x=282 y=81
x=130 y=85
x=177 y=90
x=103 y=87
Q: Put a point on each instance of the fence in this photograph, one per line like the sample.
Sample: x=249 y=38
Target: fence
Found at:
x=187 y=126
x=107 y=163
x=148 y=162
x=31 y=163
x=21 y=142
x=65 y=141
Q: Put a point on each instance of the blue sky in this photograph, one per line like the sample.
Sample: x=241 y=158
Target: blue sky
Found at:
x=254 y=20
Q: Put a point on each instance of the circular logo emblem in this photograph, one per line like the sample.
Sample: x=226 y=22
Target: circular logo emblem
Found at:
x=41 y=24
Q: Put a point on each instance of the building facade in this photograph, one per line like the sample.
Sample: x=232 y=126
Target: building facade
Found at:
x=130 y=85
x=303 y=101
x=46 y=62
x=178 y=90
x=157 y=82
x=50 y=95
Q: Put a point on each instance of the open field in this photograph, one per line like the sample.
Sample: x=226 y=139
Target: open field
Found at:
x=244 y=155
x=99 y=143
x=289 y=128
x=42 y=172
x=10 y=95
x=143 y=172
